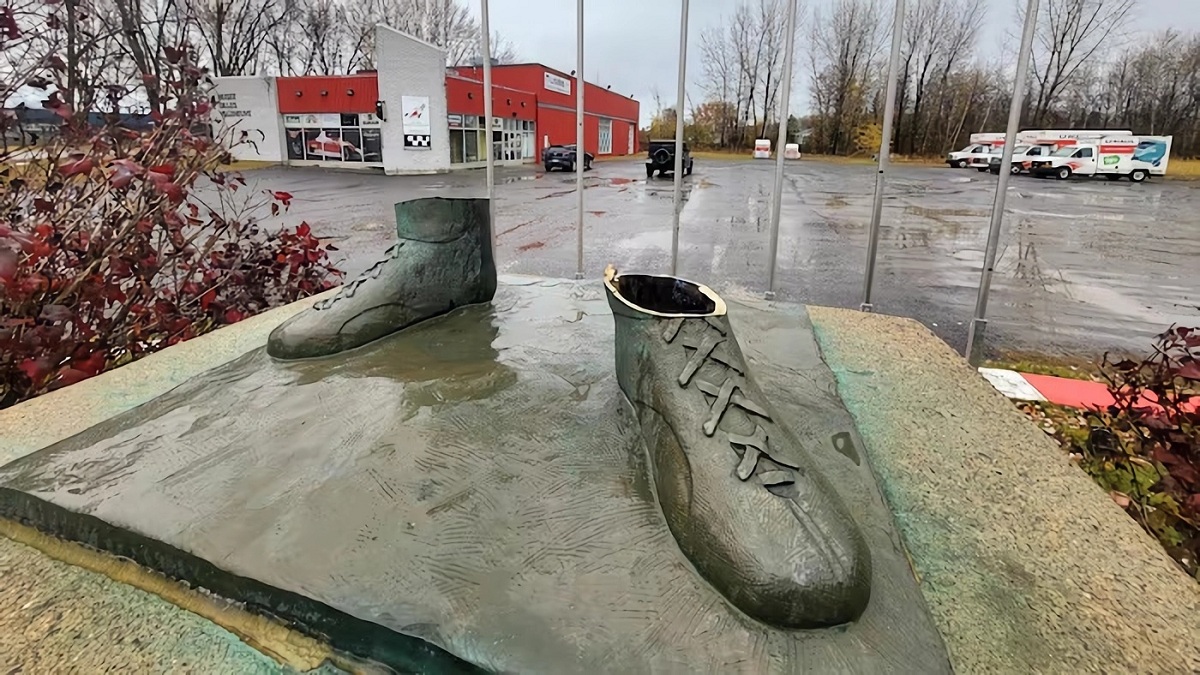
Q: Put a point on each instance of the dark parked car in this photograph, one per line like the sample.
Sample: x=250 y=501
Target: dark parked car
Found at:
x=563 y=157
x=660 y=157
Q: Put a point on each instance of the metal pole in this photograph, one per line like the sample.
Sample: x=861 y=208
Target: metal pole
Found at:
x=777 y=195
x=683 y=33
x=978 y=325
x=580 y=151
x=889 y=110
x=487 y=113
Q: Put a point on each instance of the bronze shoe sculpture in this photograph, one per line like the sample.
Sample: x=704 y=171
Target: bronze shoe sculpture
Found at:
x=739 y=494
x=443 y=260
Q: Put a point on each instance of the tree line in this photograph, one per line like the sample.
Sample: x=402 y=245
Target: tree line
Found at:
x=112 y=53
x=1087 y=70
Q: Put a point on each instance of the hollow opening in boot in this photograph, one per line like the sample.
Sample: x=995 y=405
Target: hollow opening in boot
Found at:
x=664 y=295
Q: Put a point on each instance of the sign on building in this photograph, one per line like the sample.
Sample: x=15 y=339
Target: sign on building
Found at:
x=557 y=83
x=415 y=122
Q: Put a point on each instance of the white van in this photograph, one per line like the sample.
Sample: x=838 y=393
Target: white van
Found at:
x=1023 y=155
x=958 y=160
x=976 y=154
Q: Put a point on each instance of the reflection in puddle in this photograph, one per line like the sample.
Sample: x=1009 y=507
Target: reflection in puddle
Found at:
x=517 y=179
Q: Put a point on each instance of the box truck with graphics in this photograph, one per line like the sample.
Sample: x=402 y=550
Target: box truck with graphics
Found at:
x=1114 y=157
x=985 y=147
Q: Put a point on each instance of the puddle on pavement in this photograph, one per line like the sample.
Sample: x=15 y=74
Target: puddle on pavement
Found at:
x=944 y=216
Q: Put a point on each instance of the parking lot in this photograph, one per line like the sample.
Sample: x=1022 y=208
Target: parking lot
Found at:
x=1084 y=266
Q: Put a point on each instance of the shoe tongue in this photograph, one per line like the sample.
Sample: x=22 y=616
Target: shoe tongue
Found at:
x=438 y=219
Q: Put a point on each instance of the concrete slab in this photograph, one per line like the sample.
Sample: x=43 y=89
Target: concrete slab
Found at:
x=58 y=618
x=1028 y=566
x=476 y=483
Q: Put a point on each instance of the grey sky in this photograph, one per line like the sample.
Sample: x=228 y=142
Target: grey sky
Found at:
x=633 y=44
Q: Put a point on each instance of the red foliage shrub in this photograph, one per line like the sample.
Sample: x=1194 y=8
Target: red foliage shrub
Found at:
x=117 y=243
x=1146 y=446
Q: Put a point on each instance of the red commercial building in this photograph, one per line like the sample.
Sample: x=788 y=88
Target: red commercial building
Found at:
x=415 y=116
x=514 y=122
x=609 y=122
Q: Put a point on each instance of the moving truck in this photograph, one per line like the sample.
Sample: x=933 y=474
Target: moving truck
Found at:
x=1056 y=138
x=1114 y=157
x=1037 y=142
x=975 y=154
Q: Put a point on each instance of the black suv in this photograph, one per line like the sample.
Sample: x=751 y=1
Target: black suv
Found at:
x=563 y=157
x=660 y=157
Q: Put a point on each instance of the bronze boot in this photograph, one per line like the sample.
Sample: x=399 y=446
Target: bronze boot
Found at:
x=443 y=260
x=740 y=495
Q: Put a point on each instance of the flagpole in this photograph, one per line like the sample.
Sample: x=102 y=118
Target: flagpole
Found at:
x=777 y=195
x=682 y=85
x=580 y=151
x=975 y=332
x=889 y=111
x=487 y=113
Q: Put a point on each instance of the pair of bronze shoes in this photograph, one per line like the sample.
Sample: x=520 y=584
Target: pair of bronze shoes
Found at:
x=738 y=492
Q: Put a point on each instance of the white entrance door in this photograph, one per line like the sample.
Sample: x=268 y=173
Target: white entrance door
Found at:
x=630 y=150
x=605 y=137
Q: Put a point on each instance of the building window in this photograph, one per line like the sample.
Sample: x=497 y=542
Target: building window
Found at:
x=458 y=150
x=471 y=145
x=605 y=137
x=512 y=139
x=529 y=141
x=333 y=137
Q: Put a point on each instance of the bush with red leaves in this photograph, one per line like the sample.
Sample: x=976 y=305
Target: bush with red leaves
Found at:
x=118 y=243
x=1145 y=448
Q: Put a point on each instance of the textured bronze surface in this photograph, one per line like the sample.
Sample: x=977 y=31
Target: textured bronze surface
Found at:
x=443 y=260
x=746 y=503
x=476 y=484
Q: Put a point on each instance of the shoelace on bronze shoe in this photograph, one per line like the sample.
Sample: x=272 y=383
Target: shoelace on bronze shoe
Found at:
x=726 y=394
x=349 y=289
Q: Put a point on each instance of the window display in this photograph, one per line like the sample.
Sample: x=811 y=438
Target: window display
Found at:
x=334 y=137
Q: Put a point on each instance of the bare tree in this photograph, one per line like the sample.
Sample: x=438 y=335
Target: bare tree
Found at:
x=234 y=32
x=742 y=65
x=1069 y=36
x=718 y=82
x=327 y=45
x=153 y=35
x=503 y=50
x=771 y=28
x=444 y=23
x=843 y=47
x=937 y=35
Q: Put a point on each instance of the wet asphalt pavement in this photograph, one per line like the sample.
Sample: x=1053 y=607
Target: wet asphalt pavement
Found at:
x=1084 y=266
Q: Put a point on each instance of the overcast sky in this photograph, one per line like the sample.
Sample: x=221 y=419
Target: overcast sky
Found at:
x=633 y=45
